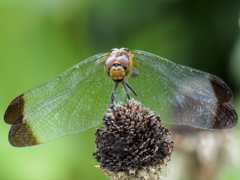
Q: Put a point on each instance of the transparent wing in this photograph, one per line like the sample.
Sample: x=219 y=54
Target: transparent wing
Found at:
x=182 y=95
x=72 y=102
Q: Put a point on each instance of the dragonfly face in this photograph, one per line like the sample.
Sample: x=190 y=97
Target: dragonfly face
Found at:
x=119 y=64
x=77 y=99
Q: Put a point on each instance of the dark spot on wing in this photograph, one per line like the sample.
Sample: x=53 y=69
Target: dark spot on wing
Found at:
x=21 y=135
x=221 y=90
x=226 y=117
x=225 y=114
x=14 y=111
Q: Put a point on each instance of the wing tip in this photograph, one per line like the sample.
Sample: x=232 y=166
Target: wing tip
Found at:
x=15 y=109
x=222 y=92
x=226 y=117
x=21 y=135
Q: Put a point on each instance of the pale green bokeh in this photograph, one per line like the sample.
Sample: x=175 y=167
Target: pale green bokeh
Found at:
x=41 y=39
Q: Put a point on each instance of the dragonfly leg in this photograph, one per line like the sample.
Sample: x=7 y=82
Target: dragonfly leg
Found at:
x=113 y=94
x=126 y=87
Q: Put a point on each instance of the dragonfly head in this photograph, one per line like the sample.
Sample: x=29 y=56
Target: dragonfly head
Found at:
x=119 y=64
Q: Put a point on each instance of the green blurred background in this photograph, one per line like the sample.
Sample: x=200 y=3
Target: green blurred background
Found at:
x=41 y=39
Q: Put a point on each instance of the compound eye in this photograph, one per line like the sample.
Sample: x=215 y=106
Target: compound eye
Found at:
x=110 y=61
x=123 y=61
x=125 y=49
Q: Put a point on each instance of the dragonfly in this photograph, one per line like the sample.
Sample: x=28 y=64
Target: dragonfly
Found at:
x=78 y=98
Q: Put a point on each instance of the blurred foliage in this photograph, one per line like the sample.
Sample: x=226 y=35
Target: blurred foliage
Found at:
x=41 y=39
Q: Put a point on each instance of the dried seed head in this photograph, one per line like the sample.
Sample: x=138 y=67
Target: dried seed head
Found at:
x=132 y=142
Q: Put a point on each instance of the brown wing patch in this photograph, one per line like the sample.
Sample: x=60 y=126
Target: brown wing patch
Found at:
x=222 y=91
x=226 y=117
x=14 y=111
x=21 y=135
x=225 y=114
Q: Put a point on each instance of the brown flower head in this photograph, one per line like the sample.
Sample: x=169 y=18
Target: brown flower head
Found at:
x=132 y=139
